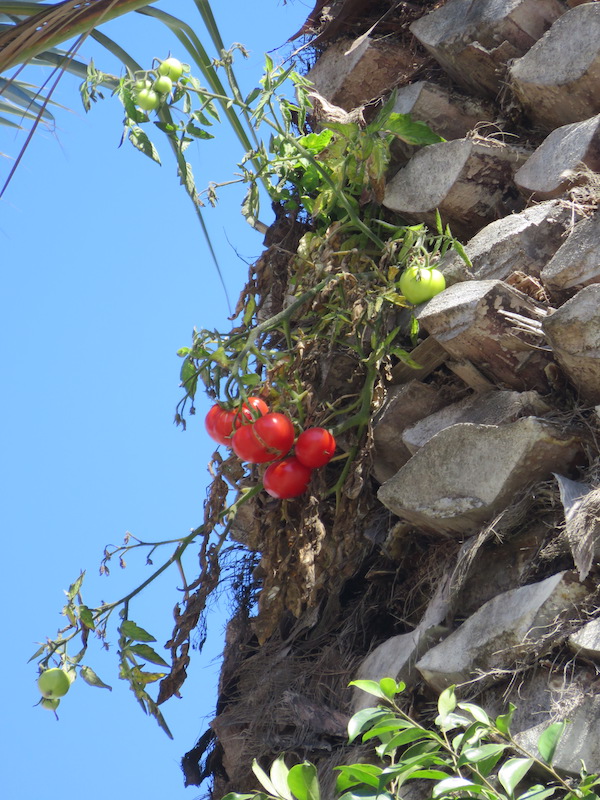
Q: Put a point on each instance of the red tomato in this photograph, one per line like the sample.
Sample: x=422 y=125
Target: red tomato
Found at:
x=286 y=478
x=315 y=447
x=247 y=447
x=217 y=422
x=254 y=407
x=221 y=422
x=266 y=439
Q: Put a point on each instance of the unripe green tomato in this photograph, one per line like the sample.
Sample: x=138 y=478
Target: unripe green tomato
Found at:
x=147 y=99
x=54 y=683
x=142 y=84
x=172 y=68
x=419 y=284
x=163 y=84
x=51 y=703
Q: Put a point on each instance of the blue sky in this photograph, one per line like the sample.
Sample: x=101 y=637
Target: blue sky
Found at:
x=105 y=274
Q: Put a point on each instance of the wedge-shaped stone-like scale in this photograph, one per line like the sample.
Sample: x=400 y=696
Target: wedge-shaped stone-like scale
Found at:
x=552 y=168
x=585 y=643
x=467 y=473
x=580 y=742
x=349 y=79
x=474 y=39
x=472 y=321
x=514 y=626
x=395 y=658
x=403 y=406
x=468 y=181
x=522 y=242
x=557 y=80
x=577 y=262
x=573 y=331
x=449 y=114
x=491 y=408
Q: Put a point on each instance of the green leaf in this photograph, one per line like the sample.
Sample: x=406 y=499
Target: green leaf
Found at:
x=476 y=712
x=447 y=702
x=263 y=778
x=366 y=793
x=316 y=142
x=90 y=677
x=549 y=739
x=513 y=771
x=75 y=587
x=452 y=785
x=357 y=773
x=183 y=352
x=279 y=775
x=415 y=133
x=430 y=774
x=504 y=720
x=390 y=688
x=474 y=754
x=133 y=631
x=462 y=253
x=365 y=719
x=147 y=653
x=86 y=616
x=407 y=736
x=370 y=687
x=537 y=792
x=37 y=653
x=139 y=139
x=452 y=721
x=386 y=727
x=303 y=781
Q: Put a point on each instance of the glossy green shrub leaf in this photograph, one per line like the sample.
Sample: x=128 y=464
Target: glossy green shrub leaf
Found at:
x=365 y=719
x=537 y=792
x=476 y=712
x=476 y=754
x=303 y=781
x=355 y=774
x=504 y=721
x=549 y=739
x=279 y=778
x=513 y=771
x=446 y=702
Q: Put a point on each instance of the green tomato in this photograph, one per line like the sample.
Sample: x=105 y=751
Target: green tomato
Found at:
x=163 y=84
x=147 y=99
x=51 y=703
x=172 y=68
x=142 y=84
x=419 y=284
x=54 y=683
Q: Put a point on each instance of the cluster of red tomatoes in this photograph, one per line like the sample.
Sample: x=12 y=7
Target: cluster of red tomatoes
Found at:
x=260 y=436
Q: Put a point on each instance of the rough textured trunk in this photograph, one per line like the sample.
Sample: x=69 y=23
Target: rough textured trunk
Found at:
x=464 y=540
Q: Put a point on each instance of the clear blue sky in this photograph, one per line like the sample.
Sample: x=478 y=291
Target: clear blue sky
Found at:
x=104 y=275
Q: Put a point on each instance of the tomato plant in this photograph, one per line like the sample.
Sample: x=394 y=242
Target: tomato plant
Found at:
x=267 y=439
x=172 y=68
x=163 y=84
x=315 y=447
x=147 y=99
x=419 y=284
x=286 y=478
x=54 y=683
